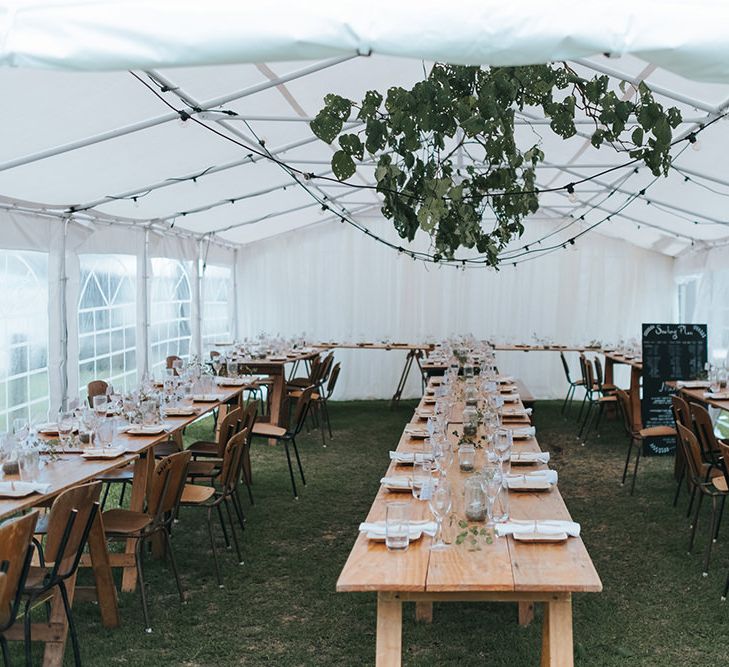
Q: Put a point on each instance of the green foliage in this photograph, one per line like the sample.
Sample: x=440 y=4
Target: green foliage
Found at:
x=447 y=155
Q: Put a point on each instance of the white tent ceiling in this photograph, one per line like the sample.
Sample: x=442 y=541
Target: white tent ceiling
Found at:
x=103 y=142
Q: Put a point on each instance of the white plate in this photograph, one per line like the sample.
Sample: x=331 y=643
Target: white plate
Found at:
x=415 y=534
x=180 y=412
x=417 y=433
x=539 y=537
x=103 y=453
x=16 y=489
x=145 y=430
x=205 y=398
x=521 y=484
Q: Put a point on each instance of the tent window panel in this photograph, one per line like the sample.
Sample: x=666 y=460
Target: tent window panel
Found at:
x=170 y=311
x=217 y=286
x=107 y=309
x=24 y=391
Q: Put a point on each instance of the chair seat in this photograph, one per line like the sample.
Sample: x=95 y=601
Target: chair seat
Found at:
x=166 y=449
x=657 y=432
x=578 y=382
x=125 y=522
x=203 y=468
x=610 y=398
x=36 y=579
x=268 y=430
x=296 y=393
x=125 y=474
x=719 y=483
x=302 y=383
x=204 y=448
x=196 y=494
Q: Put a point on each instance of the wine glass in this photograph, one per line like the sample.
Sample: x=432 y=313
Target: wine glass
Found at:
x=440 y=504
x=66 y=422
x=100 y=405
x=217 y=364
x=422 y=479
x=503 y=442
x=492 y=479
x=105 y=432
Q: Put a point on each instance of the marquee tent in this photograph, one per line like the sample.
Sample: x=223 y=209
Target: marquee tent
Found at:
x=142 y=212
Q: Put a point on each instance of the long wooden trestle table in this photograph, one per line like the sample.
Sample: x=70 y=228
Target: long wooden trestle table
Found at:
x=71 y=470
x=504 y=570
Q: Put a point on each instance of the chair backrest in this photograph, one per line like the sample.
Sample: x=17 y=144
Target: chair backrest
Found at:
x=233 y=458
x=95 y=388
x=171 y=360
x=231 y=424
x=314 y=367
x=705 y=433
x=589 y=376
x=325 y=370
x=333 y=377
x=626 y=408
x=168 y=480
x=214 y=354
x=583 y=369
x=566 y=367
x=724 y=453
x=681 y=412
x=69 y=523
x=598 y=372
x=249 y=417
x=692 y=453
x=16 y=552
x=301 y=409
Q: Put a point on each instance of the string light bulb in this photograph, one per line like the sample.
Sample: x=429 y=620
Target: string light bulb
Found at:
x=571 y=193
x=695 y=143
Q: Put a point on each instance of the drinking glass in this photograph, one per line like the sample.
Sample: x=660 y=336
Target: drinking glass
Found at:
x=105 y=432
x=500 y=507
x=397 y=527
x=29 y=464
x=422 y=480
x=492 y=480
x=503 y=442
x=66 y=422
x=150 y=413
x=20 y=428
x=440 y=504
x=466 y=457
x=217 y=364
x=177 y=366
x=100 y=405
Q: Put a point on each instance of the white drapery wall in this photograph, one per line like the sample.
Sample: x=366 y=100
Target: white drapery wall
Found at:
x=337 y=285
x=65 y=242
x=710 y=271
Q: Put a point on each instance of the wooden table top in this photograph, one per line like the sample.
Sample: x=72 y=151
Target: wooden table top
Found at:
x=698 y=396
x=503 y=565
x=375 y=346
x=619 y=358
x=71 y=469
x=277 y=361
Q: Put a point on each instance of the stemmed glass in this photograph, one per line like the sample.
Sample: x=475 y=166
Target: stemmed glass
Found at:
x=422 y=479
x=217 y=364
x=492 y=480
x=105 y=432
x=440 y=504
x=503 y=442
x=100 y=404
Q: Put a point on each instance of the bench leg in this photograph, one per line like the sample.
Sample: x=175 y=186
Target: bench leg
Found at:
x=526 y=613
x=424 y=612
x=389 y=630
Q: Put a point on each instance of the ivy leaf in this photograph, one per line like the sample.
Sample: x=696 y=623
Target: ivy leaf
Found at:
x=343 y=165
x=352 y=145
x=637 y=136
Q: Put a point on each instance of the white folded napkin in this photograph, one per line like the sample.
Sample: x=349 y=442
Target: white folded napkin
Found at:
x=718 y=395
x=416 y=431
x=510 y=398
x=526 y=412
x=541 y=527
x=549 y=476
x=693 y=384
x=378 y=528
x=530 y=457
x=396 y=482
x=505 y=379
x=19 y=489
x=230 y=382
x=410 y=457
x=524 y=432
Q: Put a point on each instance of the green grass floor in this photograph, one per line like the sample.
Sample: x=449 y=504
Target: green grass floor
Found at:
x=280 y=608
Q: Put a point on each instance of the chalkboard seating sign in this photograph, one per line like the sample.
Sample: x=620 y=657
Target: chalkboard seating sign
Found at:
x=670 y=352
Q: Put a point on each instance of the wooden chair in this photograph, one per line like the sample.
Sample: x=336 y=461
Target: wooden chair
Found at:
x=288 y=435
x=96 y=388
x=163 y=499
x=319 y=400
x=194 y=495
x=599 y=395
x=16 y=554
x=681 y=415
x=573 y=384
x=715 y=491
x=638 y=436
x=315 y=370
x=229 y=426
x=71 y=516
x=708 y=442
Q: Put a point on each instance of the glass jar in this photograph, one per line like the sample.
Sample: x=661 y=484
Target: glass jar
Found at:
x=470 y=421
x=466 y=457
x=474 y=499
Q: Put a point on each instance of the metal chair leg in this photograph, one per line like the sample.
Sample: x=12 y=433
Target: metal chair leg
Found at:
x=710 y=541
x=291 y=470
x=121 y=496
x=679 y=484
x=322 y=425
x=238 y=506
x=691 y=502
x=27 y=634
x=627 y=460
x=298 y=460
x=325 y=409
x=222 y=526
x=71 y=624
x=5 y=650
x=105 y=496
x=212 y=547
x=173 y=564
x=138 y=555
x=635 y=470
x=721 y=515
x=695 y=523
x=232 y=530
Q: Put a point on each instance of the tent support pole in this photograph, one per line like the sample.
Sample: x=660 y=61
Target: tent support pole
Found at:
x=234 y=328
x=145 y=304
x=63 y=284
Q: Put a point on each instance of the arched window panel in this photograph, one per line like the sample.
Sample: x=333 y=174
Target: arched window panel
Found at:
x=107 y=333
x=170 y=311
x=217 y=293
x=24 y=389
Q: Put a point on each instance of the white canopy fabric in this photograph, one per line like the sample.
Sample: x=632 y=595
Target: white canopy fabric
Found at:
x=106 y=149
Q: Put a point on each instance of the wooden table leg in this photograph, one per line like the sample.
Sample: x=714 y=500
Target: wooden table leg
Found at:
x=389 y=630
x=105 y=589
x=278 y=394
x=143 y=469
x=609 y=371
x=54 y=650
x=635 y=374
x=526 y=613
x=557 y=650
x=424 y=612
